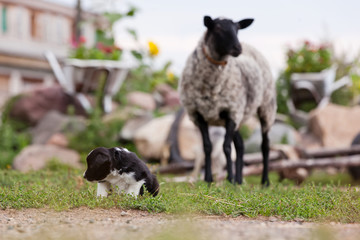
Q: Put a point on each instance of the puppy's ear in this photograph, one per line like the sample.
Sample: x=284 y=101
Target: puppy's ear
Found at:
x=115 y=160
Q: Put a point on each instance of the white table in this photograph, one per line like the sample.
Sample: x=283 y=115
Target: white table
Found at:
x=77 y=71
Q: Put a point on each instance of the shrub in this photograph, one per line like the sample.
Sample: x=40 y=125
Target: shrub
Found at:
x=308 y=58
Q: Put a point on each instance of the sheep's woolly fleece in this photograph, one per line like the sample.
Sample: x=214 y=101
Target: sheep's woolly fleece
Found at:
x=243 y=86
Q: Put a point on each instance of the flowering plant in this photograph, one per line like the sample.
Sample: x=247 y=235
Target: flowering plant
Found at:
x=309 y=58
x=101 y=51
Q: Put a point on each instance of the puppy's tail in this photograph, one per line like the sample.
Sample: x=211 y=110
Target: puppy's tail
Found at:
x=152 y=185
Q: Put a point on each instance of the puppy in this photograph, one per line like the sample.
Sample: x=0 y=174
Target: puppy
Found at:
x=119 y=167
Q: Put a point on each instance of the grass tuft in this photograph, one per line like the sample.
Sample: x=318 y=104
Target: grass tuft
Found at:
x=62 y=188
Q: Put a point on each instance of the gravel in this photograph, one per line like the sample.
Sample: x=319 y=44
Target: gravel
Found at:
x=84 y=223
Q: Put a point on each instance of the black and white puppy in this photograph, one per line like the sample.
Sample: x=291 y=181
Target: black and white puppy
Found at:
x=119 y=167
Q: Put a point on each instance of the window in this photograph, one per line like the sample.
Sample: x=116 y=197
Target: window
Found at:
x=4 y=19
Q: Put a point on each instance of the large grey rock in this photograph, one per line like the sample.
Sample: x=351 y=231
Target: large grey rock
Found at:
x=280 y=133
x=35 y=157
x=132 y=125
x=33 y=106
x=334 y=125
x=170 y=97
x=150 y=139
x=142 y=100
x=55 y=122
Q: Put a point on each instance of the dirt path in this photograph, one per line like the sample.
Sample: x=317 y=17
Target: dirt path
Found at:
x=104 y=224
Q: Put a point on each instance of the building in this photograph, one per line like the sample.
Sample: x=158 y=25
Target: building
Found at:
x=27 y=30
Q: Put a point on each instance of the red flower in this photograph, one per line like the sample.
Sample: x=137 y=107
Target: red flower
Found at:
x=100 y=45
x=82 y=39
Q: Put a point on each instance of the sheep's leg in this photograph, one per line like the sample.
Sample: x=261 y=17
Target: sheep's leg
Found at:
x=229 y=135
x=239 y=146
x=204 y=129
x=265 y=148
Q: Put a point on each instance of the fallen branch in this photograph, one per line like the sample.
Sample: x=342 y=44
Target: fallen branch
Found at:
x=345 y=161
x=175 y=168
x=256 y=158
x=332 y=152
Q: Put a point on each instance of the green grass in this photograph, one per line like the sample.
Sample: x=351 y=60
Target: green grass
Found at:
x=62 y=188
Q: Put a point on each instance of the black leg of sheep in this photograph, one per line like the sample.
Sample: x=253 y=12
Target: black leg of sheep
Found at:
x=204 y=130
x=239 y=147
x=229 y=135
x=265 y=149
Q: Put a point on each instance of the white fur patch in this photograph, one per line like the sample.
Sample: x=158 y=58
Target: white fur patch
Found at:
x=121 y=150
x=125 y=182
x=102 y=189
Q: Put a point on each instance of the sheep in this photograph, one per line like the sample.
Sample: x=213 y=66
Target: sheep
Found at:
x=223 y=84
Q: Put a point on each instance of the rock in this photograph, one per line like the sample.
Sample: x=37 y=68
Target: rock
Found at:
x=169 y=95
x=55 y=122
x=33 y=106
x=123 y=213
x=336 y=126
x=58 y=139
x=150 y=138
x=35 y=157
x=132 y=125
x=291 y=153
x=142 y=100
x=189 y=138
x=280 y=133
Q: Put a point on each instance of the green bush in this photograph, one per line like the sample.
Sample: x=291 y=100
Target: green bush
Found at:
x=308 y=58
x=11 y=143
x=96 y=134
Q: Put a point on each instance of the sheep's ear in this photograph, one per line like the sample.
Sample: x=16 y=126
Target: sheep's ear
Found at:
x=208 y=22
x=245 y=23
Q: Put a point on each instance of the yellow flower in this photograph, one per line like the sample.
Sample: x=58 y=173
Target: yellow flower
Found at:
x=153 y=49
x=170 y=75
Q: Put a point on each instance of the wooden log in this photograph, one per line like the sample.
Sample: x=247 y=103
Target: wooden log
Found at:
x=256 y=158
x=176 y=168
x=344 y=161
x=331 y=152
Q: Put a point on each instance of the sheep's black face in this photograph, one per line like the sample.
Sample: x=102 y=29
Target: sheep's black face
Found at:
x=221 y=36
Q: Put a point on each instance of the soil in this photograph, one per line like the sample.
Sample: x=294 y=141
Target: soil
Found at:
x=84 y=223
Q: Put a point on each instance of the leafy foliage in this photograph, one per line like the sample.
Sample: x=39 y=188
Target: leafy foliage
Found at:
x=11 y=143
x=309 y=58
x=13 y=136
x=97 y=133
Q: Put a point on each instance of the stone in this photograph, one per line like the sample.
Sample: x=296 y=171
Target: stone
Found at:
x=142 y=100
x=35 y=157
x=132 y=125
x=58 y=139
x=53 y=123
x=334 y=125
x=150 y=138
x=170 y=96
x=291 y=153
x=31 y=107
x=189 y=138
x=280 y=133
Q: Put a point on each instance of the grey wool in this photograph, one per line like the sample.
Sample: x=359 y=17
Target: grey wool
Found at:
x=243 y=87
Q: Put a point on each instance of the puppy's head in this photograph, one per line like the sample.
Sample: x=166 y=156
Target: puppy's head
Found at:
x=99 y=164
